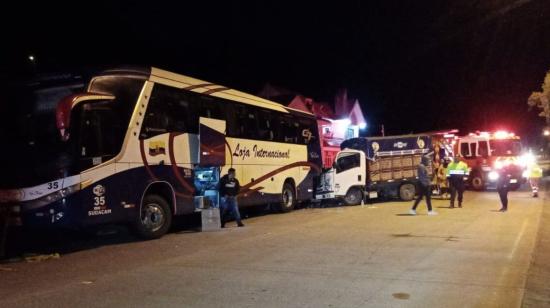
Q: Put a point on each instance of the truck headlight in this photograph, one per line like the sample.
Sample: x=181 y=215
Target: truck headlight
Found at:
x=493 y=175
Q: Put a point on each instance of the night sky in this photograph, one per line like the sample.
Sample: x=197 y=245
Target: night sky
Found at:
x=414 y=65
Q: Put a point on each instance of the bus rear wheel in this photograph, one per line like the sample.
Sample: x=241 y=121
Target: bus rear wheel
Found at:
x=288 y=198
x=154 y=218
x=353 y=196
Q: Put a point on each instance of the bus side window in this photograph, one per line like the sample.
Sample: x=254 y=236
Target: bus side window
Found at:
x=167 y=111
x=288 y=130
x=210 y=108
x=247 y=127
x=266 y=126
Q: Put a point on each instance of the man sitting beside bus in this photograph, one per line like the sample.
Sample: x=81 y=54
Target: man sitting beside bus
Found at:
x=229 y=189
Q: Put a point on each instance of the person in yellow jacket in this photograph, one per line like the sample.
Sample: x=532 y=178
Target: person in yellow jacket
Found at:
x=457 y=171
x=535 y=174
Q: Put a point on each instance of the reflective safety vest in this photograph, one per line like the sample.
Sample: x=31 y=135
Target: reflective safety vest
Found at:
x=535 y=171
x=460 y=168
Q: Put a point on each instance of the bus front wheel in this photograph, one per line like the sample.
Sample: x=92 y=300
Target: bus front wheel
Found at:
x=154 y=218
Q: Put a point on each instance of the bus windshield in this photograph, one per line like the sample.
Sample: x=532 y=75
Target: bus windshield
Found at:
x=31 y=144
x=33 y=152
x=505 y=147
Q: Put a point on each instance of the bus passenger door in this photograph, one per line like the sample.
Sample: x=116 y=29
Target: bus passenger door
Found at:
x=212 y=142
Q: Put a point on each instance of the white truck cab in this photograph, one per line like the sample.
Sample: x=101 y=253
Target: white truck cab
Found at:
x=346 y=179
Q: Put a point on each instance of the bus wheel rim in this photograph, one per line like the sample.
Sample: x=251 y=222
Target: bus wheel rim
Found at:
x=152 y=217
x=287 y=198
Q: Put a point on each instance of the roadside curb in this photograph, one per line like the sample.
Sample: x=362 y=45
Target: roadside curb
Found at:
x=537 y=286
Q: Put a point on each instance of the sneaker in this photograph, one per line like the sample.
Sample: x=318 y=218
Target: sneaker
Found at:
x=535 y=195
x=412 y=212
x=502 y=210
x=240 y=224
x=432 y=213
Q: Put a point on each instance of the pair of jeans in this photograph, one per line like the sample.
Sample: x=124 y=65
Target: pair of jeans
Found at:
x=456 y=184
x=229 y=204
x=424 y=191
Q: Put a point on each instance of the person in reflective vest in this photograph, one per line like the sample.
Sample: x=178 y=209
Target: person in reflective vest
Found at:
x=457 y=172
x=535 y=174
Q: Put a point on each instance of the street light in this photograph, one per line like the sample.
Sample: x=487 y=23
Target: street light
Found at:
x=31 y=58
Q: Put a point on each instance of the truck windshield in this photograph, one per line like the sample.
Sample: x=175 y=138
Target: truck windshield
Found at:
x=505 y=147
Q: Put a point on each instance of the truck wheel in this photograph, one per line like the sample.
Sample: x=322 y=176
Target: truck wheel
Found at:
x=407 y=192
x=288 y=198
x=154 y=218
x=477 y=182
x=353 y=196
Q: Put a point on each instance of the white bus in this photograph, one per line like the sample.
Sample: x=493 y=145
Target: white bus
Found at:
x=126 y=150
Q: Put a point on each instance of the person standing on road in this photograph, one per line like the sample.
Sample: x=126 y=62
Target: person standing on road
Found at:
x=441 y=178
x=424 y=187
x=457 y=170
x=535 y=174
x=503 y=186
x=229 y=189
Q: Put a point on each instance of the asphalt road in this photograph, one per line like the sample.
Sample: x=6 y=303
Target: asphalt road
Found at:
x=362 y=256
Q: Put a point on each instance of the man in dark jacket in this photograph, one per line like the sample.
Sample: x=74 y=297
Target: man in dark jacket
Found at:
x=229 y=189
x=424 y=186
x=503 y=185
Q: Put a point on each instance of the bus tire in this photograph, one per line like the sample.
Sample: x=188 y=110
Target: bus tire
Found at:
x=288 y=198
x=407 y=192
x=353 y=196
x=154 y=218
x=477 y=182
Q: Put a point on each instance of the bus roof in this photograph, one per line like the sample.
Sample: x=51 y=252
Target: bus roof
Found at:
x=200 y=86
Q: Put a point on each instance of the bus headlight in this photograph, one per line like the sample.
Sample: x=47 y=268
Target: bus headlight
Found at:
x=493 y=176
x=55 y=196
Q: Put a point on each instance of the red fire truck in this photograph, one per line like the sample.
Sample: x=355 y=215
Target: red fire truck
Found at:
x=486 y=152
